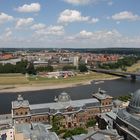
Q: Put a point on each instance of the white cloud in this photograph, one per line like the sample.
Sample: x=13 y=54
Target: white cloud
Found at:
x=94 y=20
x=68 y=16
x=51 y=30
x=110 y=3
x=23 y=22
x=85 y=34
x=55 y=30
x=4 y=18
x=97 y=36
x=125 y=15
x=78 y=2
x=87 y=2
x=38 y=26
x=7 y=35
x=33 y=7
x=8 y=32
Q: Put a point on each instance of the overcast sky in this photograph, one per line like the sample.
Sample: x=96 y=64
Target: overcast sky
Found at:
x=69 y=23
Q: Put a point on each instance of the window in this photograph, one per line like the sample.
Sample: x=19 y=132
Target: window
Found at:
x=26 y=113
x=16 y=113
x=21 y=113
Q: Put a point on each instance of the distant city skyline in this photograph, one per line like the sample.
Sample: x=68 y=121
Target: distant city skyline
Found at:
x=70 y=23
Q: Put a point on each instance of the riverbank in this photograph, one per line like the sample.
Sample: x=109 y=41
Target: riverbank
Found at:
x=37 y=87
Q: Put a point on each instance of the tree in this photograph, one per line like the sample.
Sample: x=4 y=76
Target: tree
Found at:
x=91 y=123
x=48 y=69
x=68 y=67
x=30 y=69
x=83 y=68
x=75 y=131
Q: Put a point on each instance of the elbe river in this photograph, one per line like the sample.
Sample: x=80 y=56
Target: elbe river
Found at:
x=114 y=88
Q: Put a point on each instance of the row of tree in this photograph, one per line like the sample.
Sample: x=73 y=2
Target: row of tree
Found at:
x=121 y=63
x=20 y=67
x=26 y=67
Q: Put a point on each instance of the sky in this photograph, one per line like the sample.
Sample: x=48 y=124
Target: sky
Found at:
x=69 y=23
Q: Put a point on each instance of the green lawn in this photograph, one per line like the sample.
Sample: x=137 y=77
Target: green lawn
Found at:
x=19 y=79
x=76 y=79
x=12 y=79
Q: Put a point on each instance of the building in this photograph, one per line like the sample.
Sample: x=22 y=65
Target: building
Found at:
x=71 y=113
x=109 y=134
x=128 y=119
x=6 y=133
x=104 y=99
x=33 y=132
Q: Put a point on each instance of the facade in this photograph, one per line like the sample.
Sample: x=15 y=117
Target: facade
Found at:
x=71 y=113
x=105 y=101
x=6 y=134
x=128 y=119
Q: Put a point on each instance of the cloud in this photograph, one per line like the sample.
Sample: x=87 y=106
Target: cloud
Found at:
x=94 y=20
x=78 y=2
x=87 y=2
x=51 y=30
x=7 y=35
x=23 y=22
x=38 y=26
x=85 y=34
x=8 y=32
x=33 y=7
x=4 y=18
x=102 y=36
x=101 y=39
x=68 y=16
x=55 y=30
x=110 y=3
x=125 y=15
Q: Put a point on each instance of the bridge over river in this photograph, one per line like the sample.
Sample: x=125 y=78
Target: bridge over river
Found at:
x=133 y=75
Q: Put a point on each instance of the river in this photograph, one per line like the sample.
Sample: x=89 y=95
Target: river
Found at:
x=112 y=87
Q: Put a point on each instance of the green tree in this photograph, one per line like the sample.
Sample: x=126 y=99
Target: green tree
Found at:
x=30 y=69
x=68 y=67
x=83 y=68
x=91 y=123
x=75 y=131
x=49 y=68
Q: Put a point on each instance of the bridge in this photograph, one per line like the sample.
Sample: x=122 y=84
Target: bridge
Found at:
x=133 y=75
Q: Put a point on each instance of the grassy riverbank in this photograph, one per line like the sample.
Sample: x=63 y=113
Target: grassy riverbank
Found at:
x=21 y=82
x=19 y=79
x=18 y=83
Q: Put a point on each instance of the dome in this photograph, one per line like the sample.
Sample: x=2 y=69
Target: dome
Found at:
x=134 y=105
x=64 y=97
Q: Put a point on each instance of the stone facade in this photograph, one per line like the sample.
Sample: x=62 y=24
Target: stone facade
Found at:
x=66 y=112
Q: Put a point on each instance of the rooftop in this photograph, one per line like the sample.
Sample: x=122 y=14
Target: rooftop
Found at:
x=134 y=105
x=20 y=102
x=62 y=105
x=132 y=119
x=35 y=132
x=101 y=95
